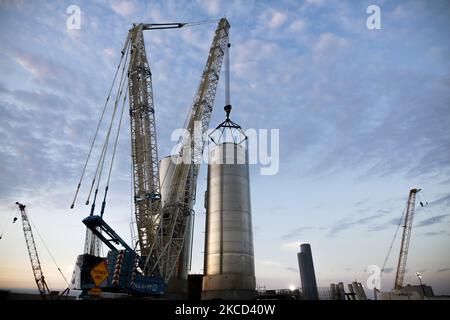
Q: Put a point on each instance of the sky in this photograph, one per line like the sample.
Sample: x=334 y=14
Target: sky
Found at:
x=363 y=116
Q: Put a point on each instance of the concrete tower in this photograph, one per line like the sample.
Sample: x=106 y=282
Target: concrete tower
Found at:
x=307 y=275
x=229 y=271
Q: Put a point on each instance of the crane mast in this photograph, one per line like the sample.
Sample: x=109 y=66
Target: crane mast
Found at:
x=143 y=142
x=32 y=252
x=180 y=200
x=401 y=267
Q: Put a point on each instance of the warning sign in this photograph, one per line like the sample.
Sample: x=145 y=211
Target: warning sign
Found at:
x=99 y=273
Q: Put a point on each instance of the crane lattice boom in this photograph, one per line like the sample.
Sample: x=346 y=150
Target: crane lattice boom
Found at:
x=32 y=252
x=180 y=200
x=143 y=141
x=401 y=267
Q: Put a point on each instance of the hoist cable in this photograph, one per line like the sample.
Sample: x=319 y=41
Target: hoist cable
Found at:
x=393 y=240
x=98 y=173
x=96 y=133
x=7 y=221
x=48 y=251
x=114 y=153
x=197 y=23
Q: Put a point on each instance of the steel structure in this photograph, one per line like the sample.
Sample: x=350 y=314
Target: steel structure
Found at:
x=161 y=229
x=143 y=141
x=401 y=266
x=171 y=232
x=229 y=270
x=32 y=252
x=161 y=232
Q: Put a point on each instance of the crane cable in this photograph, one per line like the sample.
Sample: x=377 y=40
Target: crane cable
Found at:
x=106 y=142
x=393 y=240
x=114 y=153
x=197 y=23
x=48 y=251
x=7 y=223
x=96 y=133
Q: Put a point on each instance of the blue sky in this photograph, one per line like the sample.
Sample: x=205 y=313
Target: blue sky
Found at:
x=363 y=117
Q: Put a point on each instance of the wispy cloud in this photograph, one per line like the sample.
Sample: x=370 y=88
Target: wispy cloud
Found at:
x=212 y=7
x=347 y=223
x=296 y=232
x=124 y=8
x=292 y=269
x=432 y=220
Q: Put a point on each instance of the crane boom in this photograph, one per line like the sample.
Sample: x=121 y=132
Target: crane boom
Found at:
x=32 y=252
x=143 y=139
x=401 y=266
x=181 y=198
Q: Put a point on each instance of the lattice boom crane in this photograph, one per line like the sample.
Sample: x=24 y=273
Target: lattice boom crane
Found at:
x=32 y=252
x=401 y=266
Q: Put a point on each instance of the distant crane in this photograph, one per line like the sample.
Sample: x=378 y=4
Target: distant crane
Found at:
x=32 y=252
x=44 y=291
x=401 y=266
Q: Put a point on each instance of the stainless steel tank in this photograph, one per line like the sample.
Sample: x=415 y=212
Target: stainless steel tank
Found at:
x=229 y=271
x=177 y=286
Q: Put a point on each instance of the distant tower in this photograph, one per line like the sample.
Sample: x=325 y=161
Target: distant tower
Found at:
x=307 y=275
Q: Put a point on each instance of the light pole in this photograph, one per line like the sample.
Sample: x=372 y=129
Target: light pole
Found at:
x=418 y=275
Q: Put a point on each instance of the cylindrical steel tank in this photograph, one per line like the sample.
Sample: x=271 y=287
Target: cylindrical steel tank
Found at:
x=177 y=286
x=229 y=271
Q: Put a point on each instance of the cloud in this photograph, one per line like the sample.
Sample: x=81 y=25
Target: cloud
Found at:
x=443 y=270
x=110 y=52
x=272 y=18
x=432 y=220
x=295 y=233
x=387 y=224
x=292 y=245
x=271 y=263
x=124 y=8
x=292 y=269
x=277 y=19
x=212 y=6
x=297 y=26
x=315 y=2
x=329 y=42
x=442 y=201
x=346 y=223
x=37 y=67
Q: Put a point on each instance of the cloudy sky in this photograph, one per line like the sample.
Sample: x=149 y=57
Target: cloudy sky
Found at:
x=363 y=116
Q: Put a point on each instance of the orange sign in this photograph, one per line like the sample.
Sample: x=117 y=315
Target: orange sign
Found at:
x=99 y=273
x=95 y=291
